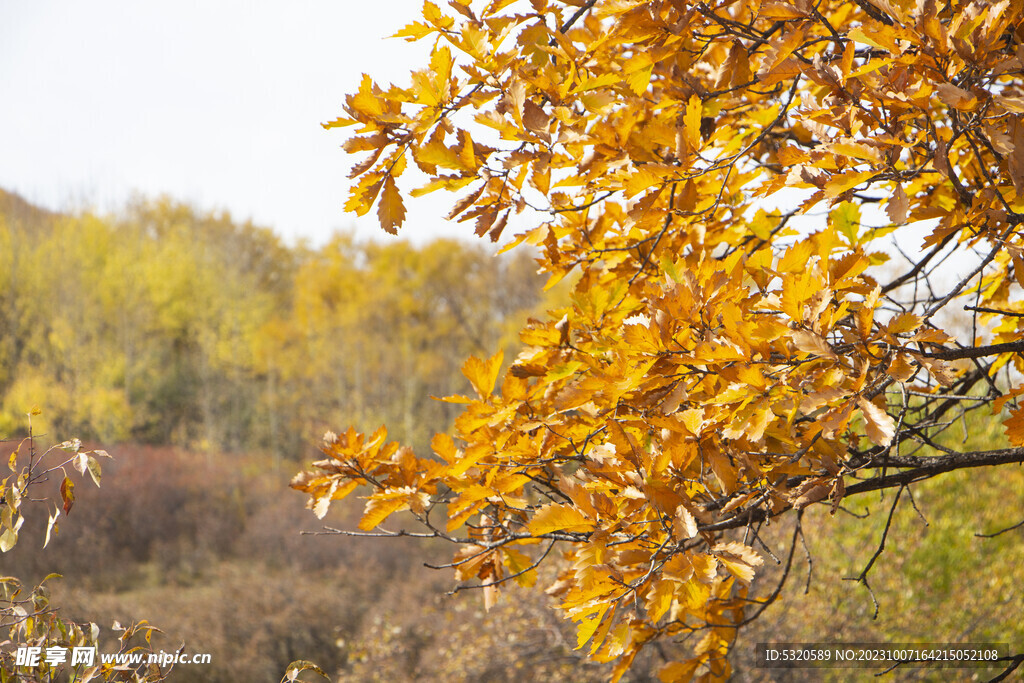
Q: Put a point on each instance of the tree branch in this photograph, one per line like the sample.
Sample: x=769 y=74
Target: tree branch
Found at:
x=977 y=351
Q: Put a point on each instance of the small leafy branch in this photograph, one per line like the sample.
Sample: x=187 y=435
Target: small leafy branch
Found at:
x=27 y=618
x=39 y=470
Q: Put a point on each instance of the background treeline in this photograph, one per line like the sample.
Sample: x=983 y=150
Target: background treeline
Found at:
x=165 y=325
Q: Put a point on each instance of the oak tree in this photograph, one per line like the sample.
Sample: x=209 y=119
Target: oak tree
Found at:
x=795 y=233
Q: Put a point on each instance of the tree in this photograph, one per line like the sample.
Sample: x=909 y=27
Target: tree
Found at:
x=724 y=361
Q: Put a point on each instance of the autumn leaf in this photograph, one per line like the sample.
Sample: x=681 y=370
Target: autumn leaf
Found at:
x=414 y=31
x=638 y=72
x=898 y=206
x=391 y=211
x=810 y=491
x=812 y=343
x=383 y=504
x=685 y=523
x=555 y=517
x=51 y=525
x=482 y=374
x=957 y=98
x=67 y=494
x=738 y=559
x=1015 y=427
x=904 y=323
x=844 y=182
x=880 y=425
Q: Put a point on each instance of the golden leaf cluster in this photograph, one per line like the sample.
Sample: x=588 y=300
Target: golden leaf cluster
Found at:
x=720 y=361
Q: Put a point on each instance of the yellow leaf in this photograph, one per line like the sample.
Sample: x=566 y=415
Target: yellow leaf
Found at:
x=364 y=194
x=782 y=10
x=866 y=313
x=904 y=323
x=856 y=150
x=436 y=153
x=366 y=101
x=724 y=470
x=383 y=504
x=414 y=31
x=556 y=517
x=468 y=458
x=735 y=69
x=1010 y=103
x=880 y=426
x=519 y=564
x=467 y=154
x=675 y=672
x=597 y=82
x=497 y=5
x=938 y=369
x=738 y=559
x=812 y=343
x=391 y=211
x=659 y=598
x=693 y=418
x=900 y=369
x=781 y=48
x=483 y=374
x=589 y=622
x=845 y=218
x=638 y=72
x=67 y=493
x=836 y=419
x=796 y=257
x=8 y=539
x=846 y=64
x=443 y=445
x=685 y=524
x=443 y=183
x=797 y=290
x=839 y=184
x=1015 y=427
x=434 y=15
x=791 y=156
x=691 y=122
x=877 y=37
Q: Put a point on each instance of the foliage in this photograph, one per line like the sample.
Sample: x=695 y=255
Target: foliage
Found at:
x=722 y=362
x=29 y=620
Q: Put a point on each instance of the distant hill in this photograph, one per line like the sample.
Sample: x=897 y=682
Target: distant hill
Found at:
x=17 y=209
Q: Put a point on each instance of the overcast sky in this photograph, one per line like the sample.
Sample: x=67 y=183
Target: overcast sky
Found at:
x=218 y=103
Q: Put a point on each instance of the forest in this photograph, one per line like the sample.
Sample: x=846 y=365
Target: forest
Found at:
x=165 y=325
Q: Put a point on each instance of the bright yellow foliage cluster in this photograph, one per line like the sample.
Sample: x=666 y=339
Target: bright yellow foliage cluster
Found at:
x=722 y=362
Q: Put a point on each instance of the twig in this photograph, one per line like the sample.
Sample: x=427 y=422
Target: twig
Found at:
x=863 y=576
x=1002 y=531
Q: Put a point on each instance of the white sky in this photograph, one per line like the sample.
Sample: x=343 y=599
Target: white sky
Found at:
x=218 y=103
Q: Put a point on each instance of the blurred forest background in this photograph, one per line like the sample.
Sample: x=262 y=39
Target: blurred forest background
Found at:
x=208 y=358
